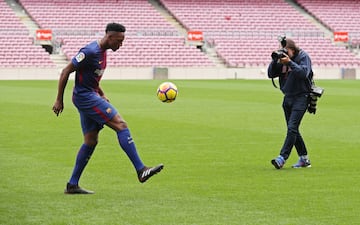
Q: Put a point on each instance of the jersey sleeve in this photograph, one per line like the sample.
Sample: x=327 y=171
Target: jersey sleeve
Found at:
x=81 y=57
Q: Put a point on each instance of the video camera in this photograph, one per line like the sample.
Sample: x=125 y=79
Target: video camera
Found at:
x=278 y=54
x=316 y=92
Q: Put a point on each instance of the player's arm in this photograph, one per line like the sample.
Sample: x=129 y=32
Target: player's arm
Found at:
x=102 y=94
x=64 y=77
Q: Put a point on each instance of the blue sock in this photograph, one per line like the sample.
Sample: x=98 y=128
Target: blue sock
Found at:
x=82 y=159
x=127 y=144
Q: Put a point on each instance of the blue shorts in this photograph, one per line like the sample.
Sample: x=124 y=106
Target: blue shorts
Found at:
x=94 y=111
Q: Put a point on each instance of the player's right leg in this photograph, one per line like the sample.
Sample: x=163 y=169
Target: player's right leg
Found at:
x=128 y=145
x=103 y=112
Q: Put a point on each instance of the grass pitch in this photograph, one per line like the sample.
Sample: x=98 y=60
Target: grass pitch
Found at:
x=216 y=141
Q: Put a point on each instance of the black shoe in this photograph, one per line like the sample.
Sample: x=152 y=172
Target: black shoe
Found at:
x=148 y=172
x=75 y=189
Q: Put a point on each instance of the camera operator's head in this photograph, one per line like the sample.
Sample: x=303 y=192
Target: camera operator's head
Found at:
x=291 y=48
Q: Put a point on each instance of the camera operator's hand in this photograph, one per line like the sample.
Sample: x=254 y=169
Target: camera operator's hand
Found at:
x=285 y=60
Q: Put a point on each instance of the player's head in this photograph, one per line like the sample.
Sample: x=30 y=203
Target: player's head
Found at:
x=115 y=35
x=116 y=27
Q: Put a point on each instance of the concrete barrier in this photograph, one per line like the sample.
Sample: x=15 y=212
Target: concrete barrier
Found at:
x=146 y=73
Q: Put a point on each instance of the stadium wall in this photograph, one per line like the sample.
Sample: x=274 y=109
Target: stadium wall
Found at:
x=146 y=73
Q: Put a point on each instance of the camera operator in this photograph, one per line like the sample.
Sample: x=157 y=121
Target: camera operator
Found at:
x=293 y=67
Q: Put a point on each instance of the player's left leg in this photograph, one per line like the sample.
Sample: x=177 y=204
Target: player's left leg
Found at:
x=90 y=130
x=84 y=154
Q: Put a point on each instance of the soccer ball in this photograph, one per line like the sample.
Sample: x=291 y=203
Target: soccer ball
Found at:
x=167 y=92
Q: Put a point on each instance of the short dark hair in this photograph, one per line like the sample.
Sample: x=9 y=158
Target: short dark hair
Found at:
x=115 y=27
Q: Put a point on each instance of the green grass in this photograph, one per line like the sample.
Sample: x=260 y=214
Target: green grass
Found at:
x=216 y=141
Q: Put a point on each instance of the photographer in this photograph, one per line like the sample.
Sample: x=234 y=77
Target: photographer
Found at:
x=293 y=67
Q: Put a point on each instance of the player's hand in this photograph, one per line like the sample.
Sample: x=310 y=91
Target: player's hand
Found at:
x=58 y=107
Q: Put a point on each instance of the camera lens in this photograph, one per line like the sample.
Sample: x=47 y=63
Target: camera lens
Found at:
x=275 y=56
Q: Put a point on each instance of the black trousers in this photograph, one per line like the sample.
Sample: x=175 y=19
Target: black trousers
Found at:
x=294 y=110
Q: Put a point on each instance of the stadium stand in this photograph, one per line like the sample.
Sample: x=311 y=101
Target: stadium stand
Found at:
x=338 y=16
x=151 y=40
x=244 y=32
x=149 y=51
x=238 y=15
x=17 y=48
x=87 y=17
x=321 y=50
x=9 y=23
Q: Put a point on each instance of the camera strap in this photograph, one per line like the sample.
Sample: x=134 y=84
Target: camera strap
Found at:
x=273 y=82
x=284 y=72
x=311 y=80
